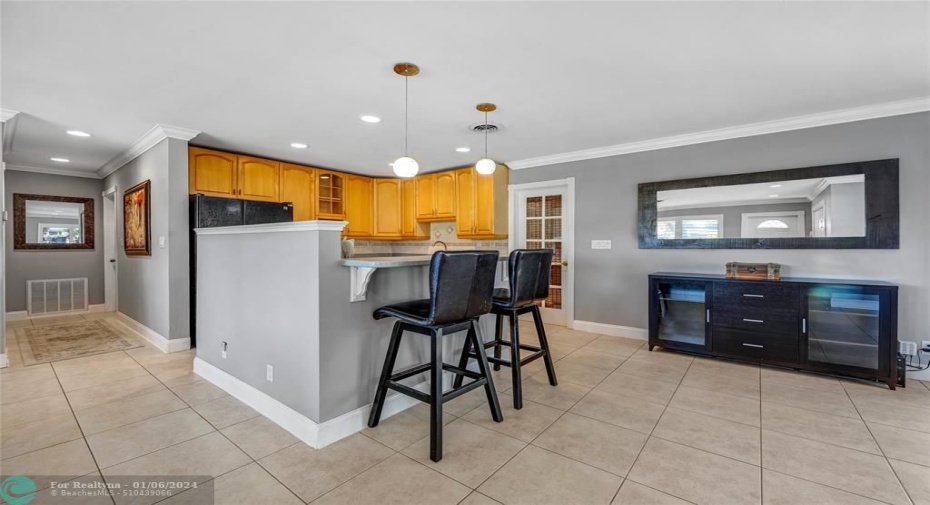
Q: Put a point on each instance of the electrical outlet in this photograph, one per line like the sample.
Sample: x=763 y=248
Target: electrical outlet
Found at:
x=269 y=373
x=907 y=348
x=223 y=352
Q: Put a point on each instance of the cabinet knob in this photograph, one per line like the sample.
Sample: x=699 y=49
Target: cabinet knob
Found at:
x=564 y=263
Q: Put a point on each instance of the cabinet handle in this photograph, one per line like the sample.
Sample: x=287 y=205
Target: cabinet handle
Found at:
x=753 y=321
x=804 y=325
x=707 y=315
x=754 y=345
x=753 y=296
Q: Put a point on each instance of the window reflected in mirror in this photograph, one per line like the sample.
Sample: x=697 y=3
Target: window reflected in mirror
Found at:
x=43 y=222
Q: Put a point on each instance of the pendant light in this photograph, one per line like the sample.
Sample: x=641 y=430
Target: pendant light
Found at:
x=486 y=166
x=406 y=166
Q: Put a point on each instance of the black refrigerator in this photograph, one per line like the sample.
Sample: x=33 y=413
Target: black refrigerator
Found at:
x=211 y=212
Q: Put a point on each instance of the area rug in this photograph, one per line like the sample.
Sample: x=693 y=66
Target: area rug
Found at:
x=44 y=344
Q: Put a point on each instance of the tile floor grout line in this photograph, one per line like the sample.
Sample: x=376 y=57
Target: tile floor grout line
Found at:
x=825 y=485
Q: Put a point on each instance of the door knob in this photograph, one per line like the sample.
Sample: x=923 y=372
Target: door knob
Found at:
x=564 y=263
x=113 y=261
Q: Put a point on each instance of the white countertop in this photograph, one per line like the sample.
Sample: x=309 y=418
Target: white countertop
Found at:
x=393 y=261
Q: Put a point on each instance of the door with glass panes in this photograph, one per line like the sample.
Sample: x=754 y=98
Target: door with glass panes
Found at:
x=541 y=220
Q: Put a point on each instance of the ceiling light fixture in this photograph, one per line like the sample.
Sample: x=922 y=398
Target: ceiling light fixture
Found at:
x=371 y=119
x=486 y=166
x=77 y=133
x=462 y=149
x=775 y=186
x=406 y=166
x=61 y=160
x=298 y=145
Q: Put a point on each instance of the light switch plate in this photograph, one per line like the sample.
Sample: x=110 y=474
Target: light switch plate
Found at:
x=600 y=244
x=161 y=242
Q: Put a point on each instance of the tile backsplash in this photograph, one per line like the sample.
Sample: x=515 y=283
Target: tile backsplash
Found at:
x=445 y=232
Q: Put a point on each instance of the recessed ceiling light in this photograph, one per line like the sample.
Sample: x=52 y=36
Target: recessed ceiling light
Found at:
x=298 y=145
x=61 y=160
x=775 y=186
x=462 y=149
x=773 y=196
x=371 y=119
x=78 y=133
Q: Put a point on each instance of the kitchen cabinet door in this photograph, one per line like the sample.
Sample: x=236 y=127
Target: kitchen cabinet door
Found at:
x=297 y=184
x=259 y=179
x=212 y=173
x=388 y=208
x=330 y=195
x=444 y=196
x=410 y=228
x=358 y=207
x=465 y=188
x=482 y=204
x=426 y=197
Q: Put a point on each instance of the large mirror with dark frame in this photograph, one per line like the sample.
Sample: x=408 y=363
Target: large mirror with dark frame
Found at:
x=846 y=206
x=44 y=222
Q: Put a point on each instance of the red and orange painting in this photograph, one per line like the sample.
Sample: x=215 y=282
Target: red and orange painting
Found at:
x=136 y=220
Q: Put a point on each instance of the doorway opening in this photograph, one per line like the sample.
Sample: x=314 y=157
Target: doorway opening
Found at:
x=110 y=265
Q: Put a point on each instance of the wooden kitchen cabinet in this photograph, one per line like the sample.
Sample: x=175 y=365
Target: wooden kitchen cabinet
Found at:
x=259 y=179
x=358 y=206
x=388 y=208
x=330 y=195
x=435 y=200
x=482 y=203
x=410 y=227
x=212 y=173
x=297 y=187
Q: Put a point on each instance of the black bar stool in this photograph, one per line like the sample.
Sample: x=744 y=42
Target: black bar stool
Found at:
x=461 y=285
x=529 y=283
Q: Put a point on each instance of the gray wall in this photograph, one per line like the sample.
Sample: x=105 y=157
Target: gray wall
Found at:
x=732 y=216
x=154 y=290
x=32 y=226
x=610 y=285
x=27 y=265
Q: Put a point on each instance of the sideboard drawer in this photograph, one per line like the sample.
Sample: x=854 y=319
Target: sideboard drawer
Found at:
x=759 y=321
x=763 y=296
x=756 y=346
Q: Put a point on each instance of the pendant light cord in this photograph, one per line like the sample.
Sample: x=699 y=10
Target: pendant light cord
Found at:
x=485 y=134
x=405 y=116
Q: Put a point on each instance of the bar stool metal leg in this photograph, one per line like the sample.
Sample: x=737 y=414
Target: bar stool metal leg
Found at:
x=435 y=407
x=484 y=370
x=544 y=343
x=375 y=417
x=463 y=362
x=498 y=335
x=515 y=361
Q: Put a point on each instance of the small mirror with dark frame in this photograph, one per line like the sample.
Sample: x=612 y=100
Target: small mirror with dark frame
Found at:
x=846 y=206
x=44 y=222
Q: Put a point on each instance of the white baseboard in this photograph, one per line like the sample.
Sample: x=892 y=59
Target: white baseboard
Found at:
x=100 y=307
x=159 y=341
x=4 y=361
x=316 y=435
x=611 y=330
x=18 y=315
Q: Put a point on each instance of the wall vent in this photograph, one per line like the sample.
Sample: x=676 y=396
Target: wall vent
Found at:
x=50 y=296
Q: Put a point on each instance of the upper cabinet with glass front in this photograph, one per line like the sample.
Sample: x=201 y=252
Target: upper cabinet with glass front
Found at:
x=330 y=195
x=848 y=206
x=44 y=222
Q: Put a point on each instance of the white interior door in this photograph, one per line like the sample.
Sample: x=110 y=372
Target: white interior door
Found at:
x=542 y=217
x=110 y=265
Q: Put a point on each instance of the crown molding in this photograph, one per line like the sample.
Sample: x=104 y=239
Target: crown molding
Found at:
x=779 y=125
x=53 y=171
x=151 y=138
x=7 y=114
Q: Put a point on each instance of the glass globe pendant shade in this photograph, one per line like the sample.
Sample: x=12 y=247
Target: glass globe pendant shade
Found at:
x=485 y=166
x=406 y=166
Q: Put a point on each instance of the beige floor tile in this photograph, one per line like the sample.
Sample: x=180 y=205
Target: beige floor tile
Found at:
x=476 y=498
x=250 y=484
x=601 y=445
x=467 y=402
x=916 y=480
x=50 y=320
x=14 y=414
x=20 y=323
x=524 y=424
x=198 y=392
x=695 y=475
x=722 y=382
x=120 y=413
x=781 y=489
x=405 y=427
x=87 y=482
x=828 y=402
x=664 y=358
x=837 y=430
x=133 y=440
x=878 y=390
x=225 y=411
x=560 y=351
x=562 y=397
x=470 y=453
x=21 y=375
x=847 y=469
x=652 y=371
x=722 y=405
x=178 y=377
x=719 y=436
x=207 y=456
x=745 y=371
x=613 y=345
x=909 y=415
x=621 y=383
x=632 y=493
x=538 y=476
x=899 y=443
x=619 y=410
x=595 y=359
x=571 y=338
x=397 y=481
x=259 y=437
x=310 y=473
x=20 y=390
x=801 y=379
x=58 y=462
x=113 y=392
x=24 y=438
x=78 y=377
x=583 y=375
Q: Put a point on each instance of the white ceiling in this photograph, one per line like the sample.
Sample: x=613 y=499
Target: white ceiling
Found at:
x=254 y=77
x=799 y=190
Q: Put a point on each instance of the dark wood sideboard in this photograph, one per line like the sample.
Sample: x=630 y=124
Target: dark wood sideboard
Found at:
x=840 y=327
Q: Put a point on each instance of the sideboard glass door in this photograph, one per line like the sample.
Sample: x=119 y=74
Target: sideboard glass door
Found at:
x=682 y=311
x=843 y=326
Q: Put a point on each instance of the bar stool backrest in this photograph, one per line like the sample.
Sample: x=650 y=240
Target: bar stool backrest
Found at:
x=461 y=285
x=529 y=275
